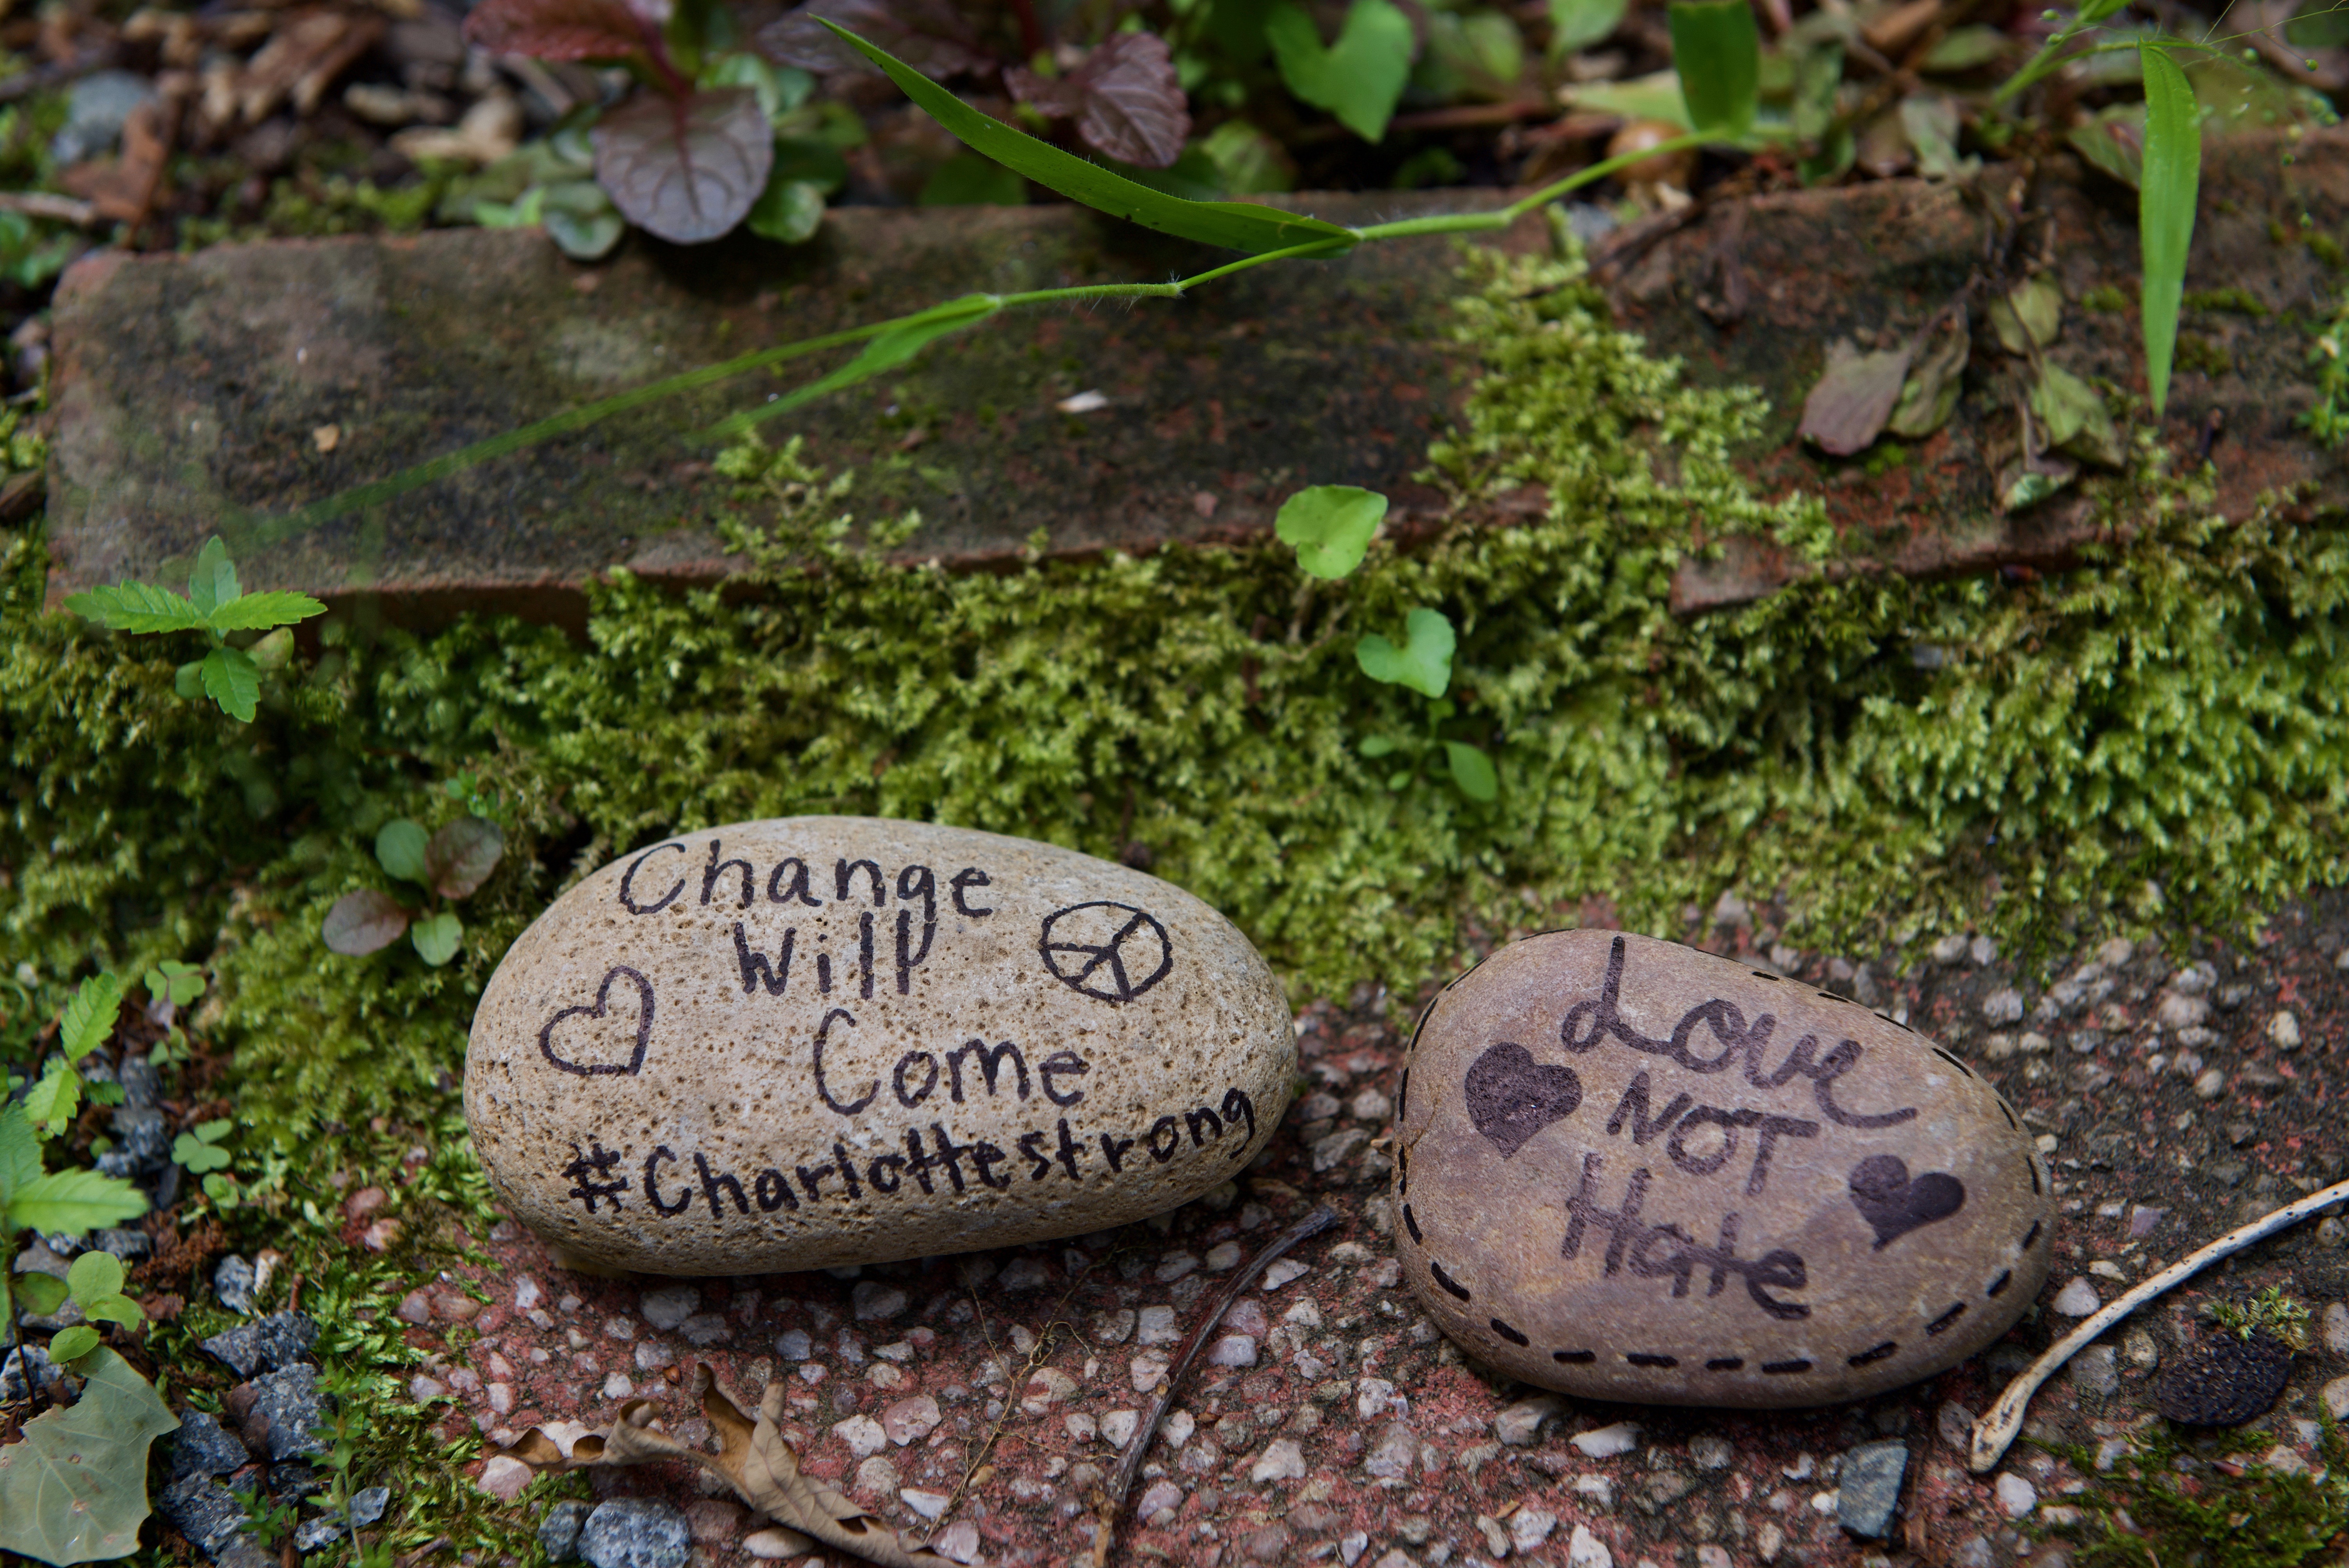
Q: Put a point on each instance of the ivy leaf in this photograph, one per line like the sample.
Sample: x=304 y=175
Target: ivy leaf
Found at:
x=94 y=1276
x=232 y=680
x=1125 y=97
x=41 y=1293
x=460 y=856
x=1359 y=78
x=1473 y=771
x=212 y=584
x=137 y=607
x=686 y=168
x=932 y=36
x=89 y=1017
x=1424 y=661
x=789 y=212
x=363 y=922
x=54 y=1099
x=1848 y=407
x=259 y=611
x=75 y=1491
x=73 y=1344
x=437 y=937
x=74 y=1202
x=1331 y=526
x=557 y=29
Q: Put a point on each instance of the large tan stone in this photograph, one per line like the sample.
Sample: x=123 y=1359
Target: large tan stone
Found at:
x=1632 y=1170
x=828 y=1040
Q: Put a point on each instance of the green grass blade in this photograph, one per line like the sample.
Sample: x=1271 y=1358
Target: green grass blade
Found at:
x=1235 y=225
x=886 y=352
x=2173 y=176
x=1718 y=53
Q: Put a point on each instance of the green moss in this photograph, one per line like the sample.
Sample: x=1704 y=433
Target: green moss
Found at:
x=2238 y=301
x=2145 y=1512
x=2164 y=729
x=2104 y=297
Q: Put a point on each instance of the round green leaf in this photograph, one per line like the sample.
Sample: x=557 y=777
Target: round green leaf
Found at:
x=41 y=1294
x=1473 y=771
x=787 y=211
x=93 y=1276
x=73 y=1344
x=1424 y=661
x=437 y=937
x=1331 y=526
x=1378 y=746
x=116 y=1308
x=400 y=849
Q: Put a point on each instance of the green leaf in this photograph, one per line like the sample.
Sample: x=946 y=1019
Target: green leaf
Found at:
x=1930 y=396
x=137 y=607
x=2114 y=141
x=89 y=1017
x=42 y=1294
x=74 y=1202
x=1656 y=96
x=400 y=846
x=1473 y=771
x=1378 y=746
x=1424 y=661
x=2029 y=314
x=73 y=1344
x=2172 y=180
x=1331 y=526
x=1359 y=78
x=1239 y=226
x=75 y=1491
x=1577 y=23
x=462 y=855
x=1965 y=50
x=579 y=217
x=886 y=352
x=171 y=980
x=1718 y=53
x=214 y=1131
x=221 y=1189
x=969 y=180
x=94 y=1276
x=2074 y=416
x=20 y=1156
x=54 y=1101
x=116 y=1308
x=1247 y=162
x=260 y=611
x=198 y=1156
x=232 y=680
x=787 y=211
x=437 y=937
x=213 y=585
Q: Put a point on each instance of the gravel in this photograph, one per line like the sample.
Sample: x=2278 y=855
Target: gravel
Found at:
x=636 y=1532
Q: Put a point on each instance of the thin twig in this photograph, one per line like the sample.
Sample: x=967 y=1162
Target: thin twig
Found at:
x=1036 y=1359
x=1112 y=1501
x=48 y=204
x=1995 y=1433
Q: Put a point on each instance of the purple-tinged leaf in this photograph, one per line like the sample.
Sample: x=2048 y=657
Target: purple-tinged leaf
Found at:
x=1125 y=99
x=932 y=36
x=462 y=856
x=557 y=29
x=685 y=169
x=363 y=923
x=1848 y=409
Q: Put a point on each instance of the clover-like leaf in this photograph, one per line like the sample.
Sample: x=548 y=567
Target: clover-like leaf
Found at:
x=73 y=1344
x=400 y=849
x=462 y=855
x=1472 y=770
x=437 y=937
x=558 y=29
x=685 y=169
x=42 y=1294
x=196 y=1156
x=232 y=680
x=1424 y=661
x=1125 y=97
x=173 y=980
x=213 y=583
x=363 y=922
x=93 y=1276
x=1331 y=526
x=89 y=1017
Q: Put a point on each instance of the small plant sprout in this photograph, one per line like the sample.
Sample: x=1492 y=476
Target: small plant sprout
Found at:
x=216 y=606
x=2270 y=1313
x=55 y=1099
x=449 y=865
x=1330 y=527
x=95 y=1284
x=71 y=1202
x=200 y=1150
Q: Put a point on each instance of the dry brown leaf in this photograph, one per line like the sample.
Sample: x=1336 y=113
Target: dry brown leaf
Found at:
x=753 y=1457
x=123 y=187
x=302 y=59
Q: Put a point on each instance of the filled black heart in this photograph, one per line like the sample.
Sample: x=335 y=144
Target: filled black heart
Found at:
x=603 y=999
x=1893 y=1205
x=1511 y=1097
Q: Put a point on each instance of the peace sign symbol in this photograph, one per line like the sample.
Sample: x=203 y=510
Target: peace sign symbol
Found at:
x=1111 y=950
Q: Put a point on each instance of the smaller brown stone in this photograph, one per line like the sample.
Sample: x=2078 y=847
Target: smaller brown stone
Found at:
x=2223 y=1380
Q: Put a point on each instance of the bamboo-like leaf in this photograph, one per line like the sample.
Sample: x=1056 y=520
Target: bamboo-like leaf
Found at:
x=1235 y=225
x=2172 y=178
x=1718 y=53
x=886 y=352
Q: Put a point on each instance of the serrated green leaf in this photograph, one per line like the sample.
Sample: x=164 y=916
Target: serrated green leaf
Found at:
x=116 y=1308
x=1330 y=527
x=1424 y=661
x=89 y=1017
x=93 y=1276
x=137 y=607
x=1235 y=225
x=75 y=1202
x=214 y=584
x=42 y=1294
x=1360 y=78
x=1473 y=771
x=20 y=1154
x=73 y=1344
x=437 y=937
x=2172 y=180
x=400 y=846
x=1717 y=51
x=260 y=611
x=232 y=680
x=54 y=1099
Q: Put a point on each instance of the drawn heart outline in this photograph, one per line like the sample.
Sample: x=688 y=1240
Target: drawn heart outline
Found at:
x=1893 y=1205
x=603 y=999
x=1511 y=1097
